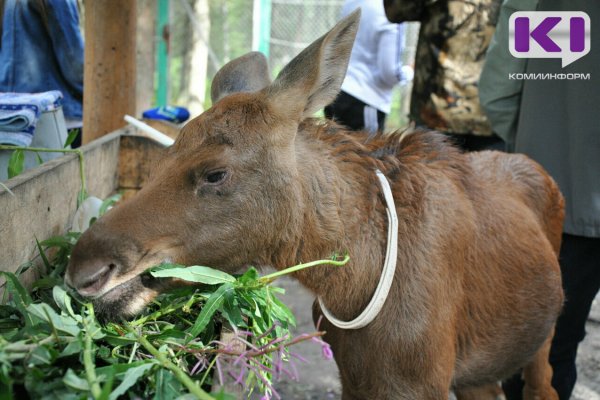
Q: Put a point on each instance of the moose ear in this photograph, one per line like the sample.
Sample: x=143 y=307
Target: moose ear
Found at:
x=314 y=77
x=248 y=73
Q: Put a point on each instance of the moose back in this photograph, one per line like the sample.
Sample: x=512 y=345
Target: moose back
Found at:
x=256 y=181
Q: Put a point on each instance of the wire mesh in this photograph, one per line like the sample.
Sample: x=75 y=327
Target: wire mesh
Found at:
x=294 y=25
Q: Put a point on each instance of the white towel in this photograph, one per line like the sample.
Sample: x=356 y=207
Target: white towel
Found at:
x=19 y=113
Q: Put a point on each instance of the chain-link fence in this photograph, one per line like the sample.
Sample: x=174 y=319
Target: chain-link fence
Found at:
x=226 y=31
x=297 y=23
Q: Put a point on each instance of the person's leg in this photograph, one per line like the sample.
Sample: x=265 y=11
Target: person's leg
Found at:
x=479 y=143
x=580 y=266
x=381 y=120
x=348 y=111
x=513 y=387
x=469 y=142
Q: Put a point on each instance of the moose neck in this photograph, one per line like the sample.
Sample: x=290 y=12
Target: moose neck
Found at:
x=341 y=211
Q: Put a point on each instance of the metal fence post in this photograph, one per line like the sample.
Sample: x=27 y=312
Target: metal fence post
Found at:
x=261 y=26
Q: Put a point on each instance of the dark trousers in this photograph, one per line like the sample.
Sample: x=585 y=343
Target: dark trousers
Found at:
x=469 y=142
x=580 y=266
x=347 y=110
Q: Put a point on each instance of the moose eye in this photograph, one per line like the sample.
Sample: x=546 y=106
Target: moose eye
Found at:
x=216 y=177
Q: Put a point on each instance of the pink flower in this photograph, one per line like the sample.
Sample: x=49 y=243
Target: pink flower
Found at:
x=325 y=348
x=326 y=351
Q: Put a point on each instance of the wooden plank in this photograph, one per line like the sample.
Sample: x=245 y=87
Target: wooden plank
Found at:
x=137 y=157
x=45 y=198
x=168 y=128
x=229 y=341
x=109 y=75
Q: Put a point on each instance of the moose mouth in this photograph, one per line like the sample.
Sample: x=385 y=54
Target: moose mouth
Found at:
x=129 y=298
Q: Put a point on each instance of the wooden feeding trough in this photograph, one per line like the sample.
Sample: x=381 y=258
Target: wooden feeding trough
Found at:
x=44 y=199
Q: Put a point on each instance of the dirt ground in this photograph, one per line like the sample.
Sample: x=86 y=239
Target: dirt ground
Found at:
x=319 y=378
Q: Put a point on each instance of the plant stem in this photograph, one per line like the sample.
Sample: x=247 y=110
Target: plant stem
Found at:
x=24 y=348
x=210 y=366
x=269 y=349
x=38 y=149
x=166 y=363
x=271 y=277
x=155 y=315
x=88 y=362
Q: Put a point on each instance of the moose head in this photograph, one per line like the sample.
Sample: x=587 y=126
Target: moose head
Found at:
x=225 y=194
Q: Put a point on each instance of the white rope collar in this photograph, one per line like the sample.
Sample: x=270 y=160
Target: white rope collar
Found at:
x=387 y=275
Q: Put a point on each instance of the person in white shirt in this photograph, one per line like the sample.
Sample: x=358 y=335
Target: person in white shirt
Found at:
x=375 y=68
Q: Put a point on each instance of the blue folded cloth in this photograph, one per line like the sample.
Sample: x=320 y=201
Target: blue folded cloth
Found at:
x=168 y=113
x=19 y=113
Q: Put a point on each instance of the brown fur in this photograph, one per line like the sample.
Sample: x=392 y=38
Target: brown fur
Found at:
x=477 y=288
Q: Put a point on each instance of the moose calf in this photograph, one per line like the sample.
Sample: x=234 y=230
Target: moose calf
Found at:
x=256 y=181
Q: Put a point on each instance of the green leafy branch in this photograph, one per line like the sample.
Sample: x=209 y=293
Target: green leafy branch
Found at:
x=52 y=345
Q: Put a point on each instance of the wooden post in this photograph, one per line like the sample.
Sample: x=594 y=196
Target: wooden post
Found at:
x=146 y=44
x=109 y=75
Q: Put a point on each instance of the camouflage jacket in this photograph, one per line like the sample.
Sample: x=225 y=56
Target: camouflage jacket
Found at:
x=453 y=40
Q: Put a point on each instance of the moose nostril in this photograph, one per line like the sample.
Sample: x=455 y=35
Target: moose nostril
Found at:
x=94 y=283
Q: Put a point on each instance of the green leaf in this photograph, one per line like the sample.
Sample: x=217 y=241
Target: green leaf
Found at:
x=194 y=273
x=15 y=286
x=281 y=311
x=63 y=242
x=249 y=276
x=73 y=347
x=75 y=382
x=16 y=163
x=61 y=323
x=39 y=356
x=81 y=196
x=63 y=301
x=131 y=377
x=231 y=310
x=167 y=386
x=107 y=388
x=71 y=137
x=39 y=159
x=43 y=255
x=224 y=396
x=109 y=202
x=210 y=308
x=119 y=369
x=6 y=311
x=46 y=283
x=6 y=390
x=20 y=297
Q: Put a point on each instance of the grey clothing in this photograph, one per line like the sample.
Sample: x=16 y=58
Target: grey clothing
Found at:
x=554 y=121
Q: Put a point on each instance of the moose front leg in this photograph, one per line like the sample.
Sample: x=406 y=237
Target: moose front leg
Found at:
x=400 y=390
x=373 y=369
x=377 y=362
x=491 y=391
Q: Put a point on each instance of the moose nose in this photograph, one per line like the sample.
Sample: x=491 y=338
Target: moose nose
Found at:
x=90 y=281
